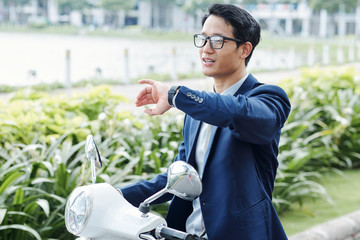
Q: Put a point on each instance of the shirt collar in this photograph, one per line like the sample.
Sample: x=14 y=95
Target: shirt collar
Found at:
x=233 y=88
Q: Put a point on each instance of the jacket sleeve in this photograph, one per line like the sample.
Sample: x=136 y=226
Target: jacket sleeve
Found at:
x=137 y=192
x=256 y=117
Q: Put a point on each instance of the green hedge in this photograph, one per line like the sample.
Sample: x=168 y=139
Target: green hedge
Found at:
x=42 y=147
x=42 y=154
x=322 y=133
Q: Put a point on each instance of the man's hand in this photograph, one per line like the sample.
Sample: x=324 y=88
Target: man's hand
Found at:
x=156 y=93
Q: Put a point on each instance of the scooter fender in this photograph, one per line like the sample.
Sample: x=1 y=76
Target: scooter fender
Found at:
x=112 y=217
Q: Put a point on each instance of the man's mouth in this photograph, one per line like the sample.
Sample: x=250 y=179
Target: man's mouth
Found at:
x=208 y=60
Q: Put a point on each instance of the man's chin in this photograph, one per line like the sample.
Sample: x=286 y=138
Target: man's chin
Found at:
x=208 y=74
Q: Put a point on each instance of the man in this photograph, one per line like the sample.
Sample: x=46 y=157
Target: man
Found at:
x=231 y=136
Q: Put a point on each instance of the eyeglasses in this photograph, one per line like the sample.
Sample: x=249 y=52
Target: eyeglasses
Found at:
x=216 y=41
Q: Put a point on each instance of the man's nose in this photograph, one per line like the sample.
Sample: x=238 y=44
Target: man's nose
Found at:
x=207 y=47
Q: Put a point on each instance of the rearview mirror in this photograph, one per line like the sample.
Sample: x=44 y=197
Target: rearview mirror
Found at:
x=182 y=180
x=93 y=156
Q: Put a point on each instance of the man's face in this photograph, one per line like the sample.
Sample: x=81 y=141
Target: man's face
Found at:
x=224 y=63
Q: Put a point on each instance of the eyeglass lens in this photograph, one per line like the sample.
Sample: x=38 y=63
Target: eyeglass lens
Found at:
x=216 y=42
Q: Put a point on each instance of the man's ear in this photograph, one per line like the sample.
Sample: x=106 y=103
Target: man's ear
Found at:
x=246 y=50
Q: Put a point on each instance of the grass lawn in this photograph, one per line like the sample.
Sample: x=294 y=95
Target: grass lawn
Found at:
x=344 y=191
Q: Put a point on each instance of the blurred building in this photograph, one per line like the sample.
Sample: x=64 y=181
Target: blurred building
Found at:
x=282 y=19
x=299 y=19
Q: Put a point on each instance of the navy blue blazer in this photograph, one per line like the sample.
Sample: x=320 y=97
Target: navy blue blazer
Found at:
x=241 y=163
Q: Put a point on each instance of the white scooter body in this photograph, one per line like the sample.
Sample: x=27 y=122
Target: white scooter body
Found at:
x=99 y=212
x=110 y=215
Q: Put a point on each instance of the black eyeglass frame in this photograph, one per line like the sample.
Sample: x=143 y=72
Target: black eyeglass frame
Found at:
x=209 y=37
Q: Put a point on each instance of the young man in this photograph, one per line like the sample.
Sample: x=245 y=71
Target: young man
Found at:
x=231 y=136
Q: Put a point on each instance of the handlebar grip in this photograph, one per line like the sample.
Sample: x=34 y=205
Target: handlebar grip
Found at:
x=173 y=234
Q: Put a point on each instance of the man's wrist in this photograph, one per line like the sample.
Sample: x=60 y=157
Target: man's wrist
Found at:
x=171 y=93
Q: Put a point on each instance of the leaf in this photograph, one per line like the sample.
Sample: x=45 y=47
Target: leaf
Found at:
x=22 y=228
x=23 y=214
x=2 y=215
x=42 y=180
x=49 y=167
x=44 y=204
x=19 y=197
x=55 y=128
x=9 y=180
x=54 y=196
x=59 y=211
x=74 y=148
x=9 y=167
x=50 y=151
x=317 y=135
x=62 y=177
x=140 y=163
x=30 y=208
x=157 y=162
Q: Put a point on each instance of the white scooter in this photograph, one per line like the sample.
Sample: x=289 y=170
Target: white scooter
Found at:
x=99 y=212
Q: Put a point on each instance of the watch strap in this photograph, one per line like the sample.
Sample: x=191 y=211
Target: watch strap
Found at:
x=171 y=94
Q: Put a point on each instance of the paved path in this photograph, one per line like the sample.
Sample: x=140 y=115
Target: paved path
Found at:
x=346 y=227
x=130 y=91
x=274 y=77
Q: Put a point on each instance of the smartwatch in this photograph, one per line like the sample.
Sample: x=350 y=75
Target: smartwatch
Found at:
x=171 y=93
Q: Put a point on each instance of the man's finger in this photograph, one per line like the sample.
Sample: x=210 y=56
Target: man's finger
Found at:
x=144 y=92
x=151 y=112
x=144 y=102
x=140 y=96
x=147 y=81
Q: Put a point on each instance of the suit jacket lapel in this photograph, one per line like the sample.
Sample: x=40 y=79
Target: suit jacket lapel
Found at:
x=248 y=84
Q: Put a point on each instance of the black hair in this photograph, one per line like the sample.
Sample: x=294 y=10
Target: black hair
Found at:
x=245 y=27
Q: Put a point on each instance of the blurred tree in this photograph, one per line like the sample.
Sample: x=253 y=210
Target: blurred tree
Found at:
x=14 y=5
x=333 y=6
x=192 y=7
x=116 y=5
x=115 y=10
x=15 y=2
x=66 y=6
x=161 y=8
x=244 y=2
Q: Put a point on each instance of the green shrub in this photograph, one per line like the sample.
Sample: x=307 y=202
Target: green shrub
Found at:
x=322 y=132
x=30 y=114
x=42 y=154
x=34 y=183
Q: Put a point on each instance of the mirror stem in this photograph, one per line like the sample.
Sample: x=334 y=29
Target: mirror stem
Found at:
x=93 y=171
x=155 y=196
x=145 y=205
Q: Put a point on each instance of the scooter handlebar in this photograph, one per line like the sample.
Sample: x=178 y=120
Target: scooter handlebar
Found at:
x=172 y=234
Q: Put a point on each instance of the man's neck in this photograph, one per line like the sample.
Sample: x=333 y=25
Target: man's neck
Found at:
x=221 y=84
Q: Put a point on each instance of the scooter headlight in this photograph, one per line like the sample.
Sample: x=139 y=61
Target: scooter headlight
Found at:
x=78 y=210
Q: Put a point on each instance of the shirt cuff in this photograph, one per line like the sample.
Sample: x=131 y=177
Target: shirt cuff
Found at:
x=173 y=100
